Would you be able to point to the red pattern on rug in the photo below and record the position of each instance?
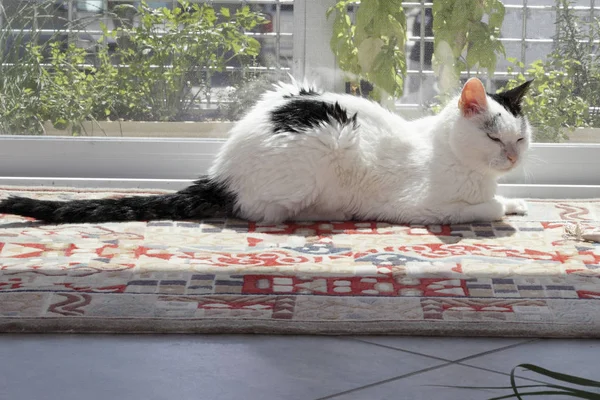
(517, 276)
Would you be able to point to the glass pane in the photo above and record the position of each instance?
(98, 67)
(554, 42)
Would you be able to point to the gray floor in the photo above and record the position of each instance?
(178, 367)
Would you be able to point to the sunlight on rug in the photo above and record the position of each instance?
(524, 276)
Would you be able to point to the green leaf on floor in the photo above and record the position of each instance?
(552, 389)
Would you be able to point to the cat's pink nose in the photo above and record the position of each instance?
(512, 157)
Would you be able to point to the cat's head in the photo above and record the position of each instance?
(491, 133)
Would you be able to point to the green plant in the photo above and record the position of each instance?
(463, 41)
(565, 92)
(171, 55)
(20, 72)
(373, 46)
(552, 389)
(550, 105)
(159, 71)
(19, 100)
(546, 389)
(40, 78)
(43, 79)
(69, 92)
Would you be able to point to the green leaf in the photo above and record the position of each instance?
(559, 376)
(540, 393)
(60, 124)
(463, 40)
(373, 47)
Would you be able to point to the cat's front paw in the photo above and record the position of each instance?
(515, 206)
(495, 210)
(492, 210)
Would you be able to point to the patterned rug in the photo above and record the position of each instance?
(520, 277)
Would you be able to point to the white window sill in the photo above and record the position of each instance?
(553, 170)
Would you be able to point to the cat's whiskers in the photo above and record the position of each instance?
(536, 159)
(527, 174)
(532, 160)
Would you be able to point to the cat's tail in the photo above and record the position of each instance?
(204, 199)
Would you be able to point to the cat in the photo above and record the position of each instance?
(303, 154)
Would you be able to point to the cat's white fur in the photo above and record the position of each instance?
(438, 169)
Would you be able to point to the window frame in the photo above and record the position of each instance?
(554, 170)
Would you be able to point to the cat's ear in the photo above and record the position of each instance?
(473, 99)
(514, 96)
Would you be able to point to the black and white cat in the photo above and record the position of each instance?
(300, 154)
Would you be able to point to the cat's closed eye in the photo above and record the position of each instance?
(495, 139)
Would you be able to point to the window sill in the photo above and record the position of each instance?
(553, 171)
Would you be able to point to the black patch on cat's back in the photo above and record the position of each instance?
(299, 114)
(303, 92)
(309, 92)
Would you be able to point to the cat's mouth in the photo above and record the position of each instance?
(507, 167)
